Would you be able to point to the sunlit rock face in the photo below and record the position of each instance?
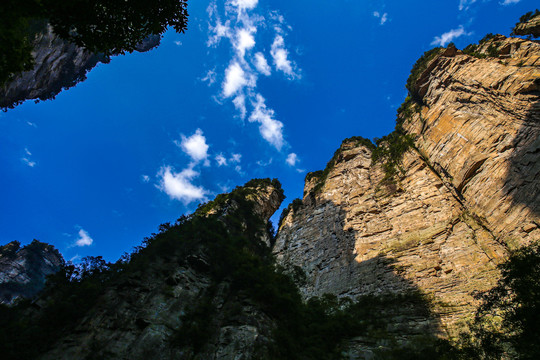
(23, 270)
(469, 190)
(59, 65)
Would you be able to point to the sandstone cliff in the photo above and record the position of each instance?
(466, 191)
(59, 65)
(23, 270)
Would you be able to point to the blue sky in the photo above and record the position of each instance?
(254, 88)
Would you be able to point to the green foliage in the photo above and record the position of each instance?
(524, 19)
(16, 36)
(486, 38)
(348, 143)
(101, 26)
(390, 150)
(471, 50)
(418, 68)
(506, 323)
(492, 51)
(295, 205)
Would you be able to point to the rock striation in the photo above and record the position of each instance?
(23, 270)
(59, 65)
(466, 191)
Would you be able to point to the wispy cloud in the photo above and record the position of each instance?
(245, 28)
(270, 128)
(262, 65)
(179, 185)
(221, 160)
(465, 4)
(383, 17)
(26, 158)
(449, 36)
(145, 178)
(84, 239)
(281, 57)
(510, 2)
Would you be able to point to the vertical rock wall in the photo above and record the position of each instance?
(468, 190)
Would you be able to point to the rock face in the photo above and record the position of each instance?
(468, 190)
(59, 65)
(139, 314)
(23, 270)
(531, 27)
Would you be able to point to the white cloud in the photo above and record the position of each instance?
(238, 169)
(280, 56)
(464, 4)
(195, 146)
(26, 159)
(264, 163)
(84, 239)
(449, 36)
(221, 160)
(31, 124)
(244, 40)
(509, 2)
(245, 4)
(234, 79)
(239, 103)
(270, 129)
(261, 64)
(210, 77)
(383, 17)
(219, 31)
(241, 23)
(179, 185)
(236, 158)
(28, 162)
(292, 159)
(145, 178)
(178, 42)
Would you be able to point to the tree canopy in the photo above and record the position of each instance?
(102, 26)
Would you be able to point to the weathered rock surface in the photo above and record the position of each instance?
(59, 65)
(469, 191)
(23, 270)
(480, 127)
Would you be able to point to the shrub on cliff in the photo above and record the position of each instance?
(506, 325)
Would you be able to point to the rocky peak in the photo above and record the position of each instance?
(23, 270)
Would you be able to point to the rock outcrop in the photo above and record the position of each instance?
(58, 65)
(530, 27)
(146, 311)
(23, 270)
(466, 191)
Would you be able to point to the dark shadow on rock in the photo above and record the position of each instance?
(523, 180)
(397, 311)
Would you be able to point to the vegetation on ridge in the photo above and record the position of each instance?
(523, 20)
